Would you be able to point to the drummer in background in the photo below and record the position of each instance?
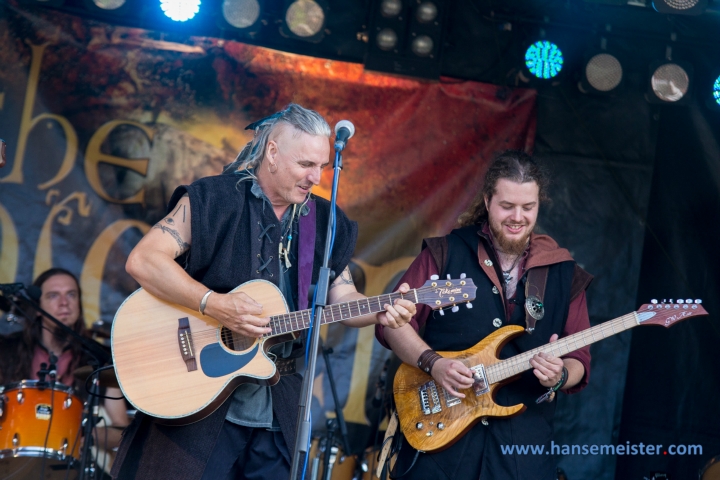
(22, 353)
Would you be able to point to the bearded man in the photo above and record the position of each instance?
(496, 247)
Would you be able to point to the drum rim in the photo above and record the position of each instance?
(35, 452)
(60, 387)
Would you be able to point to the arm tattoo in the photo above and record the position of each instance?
(181, 243)
(344, 279)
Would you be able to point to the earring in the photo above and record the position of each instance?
(272, 167)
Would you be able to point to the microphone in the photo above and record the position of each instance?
(344, 130)
(2, 153)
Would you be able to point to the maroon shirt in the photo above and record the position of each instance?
(424, 266)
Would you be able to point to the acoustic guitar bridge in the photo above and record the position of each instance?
(186, 345)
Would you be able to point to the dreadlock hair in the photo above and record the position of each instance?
(300, 118)
(514, 165)
(20, 364)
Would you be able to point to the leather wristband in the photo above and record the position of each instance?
(203, 302)
(427, 359)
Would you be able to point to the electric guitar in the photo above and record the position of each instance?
(179, 366)
(432, 419)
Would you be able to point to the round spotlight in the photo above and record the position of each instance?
(422, 46)
(544, 59)
(716, 90)
(390, 8)
(386, 39)
(670, 82)
(241, 13)
(109, 4)
(305, 18)
(603, 72)
(180, 10)
(426, 12)
(681, 4)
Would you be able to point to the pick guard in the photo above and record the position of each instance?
(216, 362)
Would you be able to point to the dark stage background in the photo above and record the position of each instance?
(635, 197)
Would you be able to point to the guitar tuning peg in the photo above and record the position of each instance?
(462, 276)
(654, 301)
(698, 301)
(468, 305)
(441, 312)
(448, 277)
(455, 309)
(671, 301)
(681, 301)
(689, 300)
(434, 277)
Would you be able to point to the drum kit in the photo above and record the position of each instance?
(41, 433)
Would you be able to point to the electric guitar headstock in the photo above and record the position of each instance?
(439, 294)
(669, 312)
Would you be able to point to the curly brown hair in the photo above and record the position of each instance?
(514, 165)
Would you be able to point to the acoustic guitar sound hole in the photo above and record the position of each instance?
(235, 341)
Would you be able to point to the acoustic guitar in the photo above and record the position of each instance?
(432, 419)
(179, 366)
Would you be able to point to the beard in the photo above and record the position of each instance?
(508, 245)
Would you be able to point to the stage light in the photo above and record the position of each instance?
(407, 37)
(680, 7)
(603, 73)
(716, 91)
(305, 18)
(180, 10)
(422, 46)
(386, 39)
(109, 4)
(241, 13)
(426, 12)
(670, 82)
(390, 8)
(544, 59)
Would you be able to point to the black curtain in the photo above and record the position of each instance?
(673, 378)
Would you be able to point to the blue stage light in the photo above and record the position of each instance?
(544, 59)
(716, 90)
(180, 10)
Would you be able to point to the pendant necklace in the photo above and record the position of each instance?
(284, 252)
(506, 273)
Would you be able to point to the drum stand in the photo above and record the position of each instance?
(90, 419)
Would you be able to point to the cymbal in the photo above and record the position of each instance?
(107, 377)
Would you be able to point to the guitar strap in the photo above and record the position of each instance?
(534, 296)
(306, 254)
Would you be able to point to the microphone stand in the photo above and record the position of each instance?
(100, 357)
(302, 435)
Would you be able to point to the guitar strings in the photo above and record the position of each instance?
(520, 363)
(294, 321)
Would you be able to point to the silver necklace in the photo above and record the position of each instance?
(506, 273)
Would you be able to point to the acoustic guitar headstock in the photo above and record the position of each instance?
(669, 312)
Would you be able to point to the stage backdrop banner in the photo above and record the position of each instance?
(102, 123)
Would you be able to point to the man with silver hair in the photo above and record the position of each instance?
(257, 220)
